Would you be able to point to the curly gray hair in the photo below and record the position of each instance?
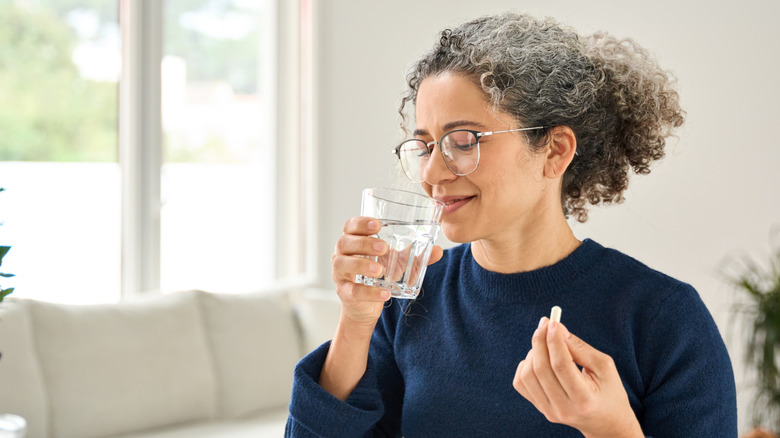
(619, 103)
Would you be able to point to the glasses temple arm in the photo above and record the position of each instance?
(483, 134)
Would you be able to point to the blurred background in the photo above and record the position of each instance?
(235, 167)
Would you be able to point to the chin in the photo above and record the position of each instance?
(456, 234)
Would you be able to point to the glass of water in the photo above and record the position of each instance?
(410, 224)
(12, 426)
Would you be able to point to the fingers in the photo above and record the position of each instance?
(361, 225)
(561, 361)
(593, 401)
(351, 244)
(359, 238)
(357, 252)
(527, 384)
(593, 361)
(548, 377)
(350, 256)
(548, 380)
(345, 268)
(352, 292)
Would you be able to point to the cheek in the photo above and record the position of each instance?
(504, 173)
(530, 170)
(511, 181)
(529, 161)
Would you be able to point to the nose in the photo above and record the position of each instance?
(436, 171)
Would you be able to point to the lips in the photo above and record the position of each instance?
(452, 203)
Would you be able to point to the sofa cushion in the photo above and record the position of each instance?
(117, 368)
(21, 382)
(255, 345)
(268, 425)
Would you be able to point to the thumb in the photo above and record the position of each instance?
(436, 254)
(584, 355)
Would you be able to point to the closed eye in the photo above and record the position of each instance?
(465, 147)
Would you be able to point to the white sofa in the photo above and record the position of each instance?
(188, 364)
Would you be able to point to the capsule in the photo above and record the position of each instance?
(555, 314)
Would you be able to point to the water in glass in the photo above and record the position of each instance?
(410, 245)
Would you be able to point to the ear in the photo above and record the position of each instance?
(562, 146)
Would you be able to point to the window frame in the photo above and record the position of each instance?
(140, 144)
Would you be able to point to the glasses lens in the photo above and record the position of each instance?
(414, 157)
(461, 152)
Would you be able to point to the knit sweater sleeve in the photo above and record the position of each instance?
(689, 382)
(372, 410)
(316, 413)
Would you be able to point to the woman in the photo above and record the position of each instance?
(519, 123)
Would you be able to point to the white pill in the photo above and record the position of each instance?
(555, 314)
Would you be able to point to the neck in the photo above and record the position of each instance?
(527, 249)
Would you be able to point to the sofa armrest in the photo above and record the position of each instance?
(317, 311)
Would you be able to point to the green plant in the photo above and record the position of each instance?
(3, 251)
(760, 312)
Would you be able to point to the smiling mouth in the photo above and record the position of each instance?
(454, 203)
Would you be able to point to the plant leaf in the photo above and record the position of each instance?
(3, 252)
(5, 292)
(760, 311)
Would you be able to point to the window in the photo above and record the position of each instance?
(142, 156)
(58, 149)
(218, 171)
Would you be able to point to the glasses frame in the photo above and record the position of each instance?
(476, 134)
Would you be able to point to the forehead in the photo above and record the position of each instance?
(449, 97)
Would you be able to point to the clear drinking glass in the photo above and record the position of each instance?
(12, 426)
(410, 225)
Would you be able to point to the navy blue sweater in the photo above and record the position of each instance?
(442, 365)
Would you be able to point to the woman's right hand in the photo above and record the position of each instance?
(360, 304)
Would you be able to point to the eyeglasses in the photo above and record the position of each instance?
(459, 148)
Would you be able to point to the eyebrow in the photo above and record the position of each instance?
(451, 126)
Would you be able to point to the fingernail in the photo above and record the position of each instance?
(551, 328)
(373, 225)
(379, 246)
(385, 295)
(375, 268)
(566, 332)
(541, 322)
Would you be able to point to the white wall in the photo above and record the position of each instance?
(716, 194)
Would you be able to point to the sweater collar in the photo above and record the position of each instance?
(524, 285)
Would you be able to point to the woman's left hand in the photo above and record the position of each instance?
(592, 401)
